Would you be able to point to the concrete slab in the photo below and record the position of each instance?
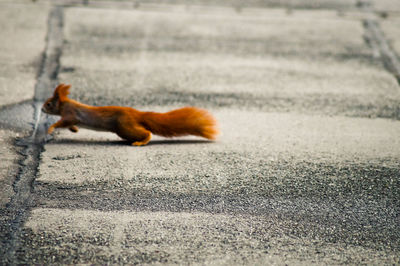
(9, 165)
(74, 158)
(24, 31)
(390, 27)
(271, 62)
(188, 238)
(18, 117)
(238, 5)
(302, 34)
(299, 173)
(388, 6)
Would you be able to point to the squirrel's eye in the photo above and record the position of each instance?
(48, 104)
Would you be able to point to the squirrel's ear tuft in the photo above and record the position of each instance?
(62, 91)
(57, 90)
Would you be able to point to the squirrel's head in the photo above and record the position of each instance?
(53, 104)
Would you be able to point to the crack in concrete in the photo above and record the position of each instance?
(51, 58)
(376, 39)
(19, 206)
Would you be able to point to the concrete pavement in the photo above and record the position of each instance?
(306, 170)
(23, 38)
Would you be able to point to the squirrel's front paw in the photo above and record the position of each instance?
(74, 129)
(50, 130)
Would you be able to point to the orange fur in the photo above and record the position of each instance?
(126, 122)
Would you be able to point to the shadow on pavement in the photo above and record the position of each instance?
(123, 142)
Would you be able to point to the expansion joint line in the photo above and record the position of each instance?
(32, 146)
(376, 39)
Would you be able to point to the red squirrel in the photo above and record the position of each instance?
(128, 123)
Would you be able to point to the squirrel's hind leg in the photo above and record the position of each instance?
(142, 142)
(137, 134)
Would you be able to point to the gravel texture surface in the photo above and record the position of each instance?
(306, 170)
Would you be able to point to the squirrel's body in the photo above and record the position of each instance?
(128, 123)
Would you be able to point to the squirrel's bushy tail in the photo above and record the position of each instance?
(179, 122)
